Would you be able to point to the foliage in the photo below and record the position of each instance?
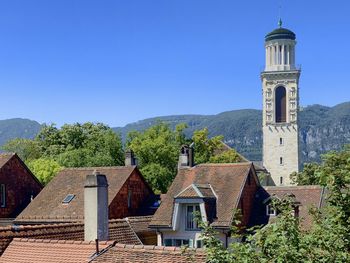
(81, 145)
(157, 153)
(229, 156)
(44, 169)
(25, 148)
(328, 240)
(157, 150)
(205, 147)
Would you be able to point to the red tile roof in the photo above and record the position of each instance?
(226, 180)
(119, 230)
(48, 206)
(150, 254)
(50, 251)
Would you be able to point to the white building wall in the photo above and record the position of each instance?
(273, 132)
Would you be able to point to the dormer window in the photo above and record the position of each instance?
(191, 222)
(270, 211)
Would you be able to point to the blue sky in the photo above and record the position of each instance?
(119, 61)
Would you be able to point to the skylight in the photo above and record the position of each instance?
(68, 199)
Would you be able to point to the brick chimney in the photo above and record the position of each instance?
(130, 159)
(186, 158)
(96, 207)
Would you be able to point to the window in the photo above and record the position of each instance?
(281, 111)
(178, 242)
(281, 160)
(281, 180)
(199, 243)
(270, 211)
(68, 199)
(191, 223)
(129, 198)
(281, 141)
(2, 195)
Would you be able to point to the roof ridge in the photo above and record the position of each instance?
(156, 248)
(57, 241)
(8, 153)
(293, 187)
(98, 167)
(223, 164)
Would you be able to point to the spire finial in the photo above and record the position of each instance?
(280, 23)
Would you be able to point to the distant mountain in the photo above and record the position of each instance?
(321, 129)
(18, 128)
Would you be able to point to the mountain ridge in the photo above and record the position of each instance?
(321, 129)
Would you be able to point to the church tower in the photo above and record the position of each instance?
(280, 84)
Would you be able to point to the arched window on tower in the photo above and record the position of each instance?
(281, 104)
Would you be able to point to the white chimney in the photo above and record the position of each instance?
(96, 207)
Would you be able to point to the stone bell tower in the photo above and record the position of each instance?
(280, 85)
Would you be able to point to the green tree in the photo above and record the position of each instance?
(205, 147)
(25, 148)
(328, 240)
(81, 145)
(157, 151)
(44, 169)
(228, 156)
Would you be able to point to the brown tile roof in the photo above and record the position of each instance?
(197, 190)
(306, 196)
(147, 254)
(48, 206)
(119, 230)
(5, 157)
(226, 180)
(140, 224)
(49, 251)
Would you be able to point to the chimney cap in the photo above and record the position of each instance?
(96, 180)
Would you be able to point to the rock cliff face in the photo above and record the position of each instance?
(323, 129)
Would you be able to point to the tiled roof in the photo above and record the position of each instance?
(119, 230)
(50, 251)
(48, 206)
(197, 191)
(5, 157)
(140, 224)
(306, 197)
(147, 254)
(226, 180)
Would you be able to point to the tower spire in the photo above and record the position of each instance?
(279, 15)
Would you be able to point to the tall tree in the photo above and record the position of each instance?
(25, 148)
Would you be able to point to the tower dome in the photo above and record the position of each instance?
(280, 33)
(280, 49)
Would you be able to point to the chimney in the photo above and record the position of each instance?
(130, 159)
(186, 158)
(96, 207)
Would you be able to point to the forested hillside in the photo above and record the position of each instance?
(18, 128)
(321, 129)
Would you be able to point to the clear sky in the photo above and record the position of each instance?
(119, 61)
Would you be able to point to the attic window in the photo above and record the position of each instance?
(270, 211)
(68, 199)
